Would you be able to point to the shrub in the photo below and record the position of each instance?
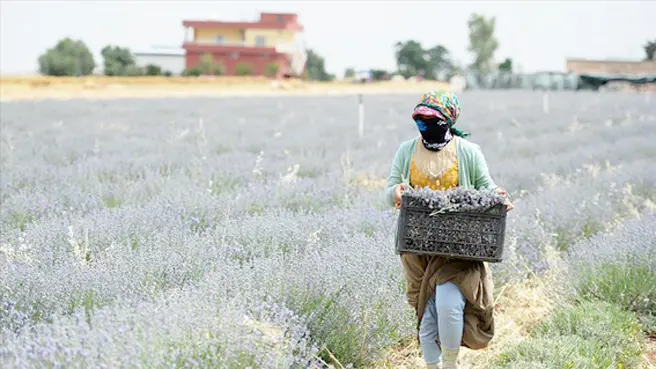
(153, 70)
(272, 70)
(167, 73)
(619, 269)
(218, 69)
(243, 69)
(195, 71)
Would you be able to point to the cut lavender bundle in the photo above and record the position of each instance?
(459, 223)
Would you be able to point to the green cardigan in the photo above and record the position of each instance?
(472, 168)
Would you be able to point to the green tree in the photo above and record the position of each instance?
(118, 61)
(650, 50)
(413, 60)
(349, 73)
(439, 63)
(482, 43)
(316, 67)
(506, 66)
(68, 58)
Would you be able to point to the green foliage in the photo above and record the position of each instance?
(153, 70)
(218, 69)
(272, 70)
(243, 69)
(650, 50)
(632, 287)
(590, 335)
(506, 66)
(413, 60)
(379, 75)
(316, 68)
(482, 42)
(195, 71)
(167, 73)
(67, 58)
(118, 61)
(206, 64)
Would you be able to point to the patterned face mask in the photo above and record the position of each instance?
(434, 133)
(438, 111)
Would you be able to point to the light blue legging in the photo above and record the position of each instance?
(444, 319)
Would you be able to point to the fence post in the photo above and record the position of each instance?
(360, 116)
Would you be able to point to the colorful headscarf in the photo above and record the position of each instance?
(443, 105)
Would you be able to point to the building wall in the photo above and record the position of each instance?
(619, 67)
(173, 63)
(230, 61)
(272, 37)
(208, 35)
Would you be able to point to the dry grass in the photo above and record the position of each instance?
(519, 308)
(99, 87)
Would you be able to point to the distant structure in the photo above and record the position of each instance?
(274, 43)
(170, 59)
(614, 74)
(632, 68)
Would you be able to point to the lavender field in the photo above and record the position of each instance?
(253, 232)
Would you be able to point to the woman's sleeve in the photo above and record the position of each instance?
(482, 179)
(395, 177)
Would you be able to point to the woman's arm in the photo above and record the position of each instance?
(395, 177)
(482, 179)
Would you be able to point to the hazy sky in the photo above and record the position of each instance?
(537, 35)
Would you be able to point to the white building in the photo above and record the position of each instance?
(170, 59)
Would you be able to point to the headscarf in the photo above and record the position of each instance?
(443, 106)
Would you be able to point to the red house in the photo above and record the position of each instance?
(271, 46)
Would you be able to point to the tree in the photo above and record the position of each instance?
(650, 49)
(68, 58)
(440, 66)
(413, 60)
(506, 66)
(316, 68)
(118, 61)
(349, 73)
(482, 42)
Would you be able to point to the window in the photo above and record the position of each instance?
(219, 40)
(260, 41)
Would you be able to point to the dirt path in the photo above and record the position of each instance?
(518, 309)
(650, 351)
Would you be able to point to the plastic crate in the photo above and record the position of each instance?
(459, 235)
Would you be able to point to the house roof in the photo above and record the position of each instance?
(289, 22)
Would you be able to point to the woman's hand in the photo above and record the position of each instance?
(502, 192)
(398, 192)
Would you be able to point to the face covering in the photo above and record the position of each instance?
(434, 133)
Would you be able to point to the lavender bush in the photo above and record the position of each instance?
(218, 232)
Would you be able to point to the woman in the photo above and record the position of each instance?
(452, 298)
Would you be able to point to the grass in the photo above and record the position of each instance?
(630, 287)
(587, 335)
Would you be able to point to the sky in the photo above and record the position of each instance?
(537, 35)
